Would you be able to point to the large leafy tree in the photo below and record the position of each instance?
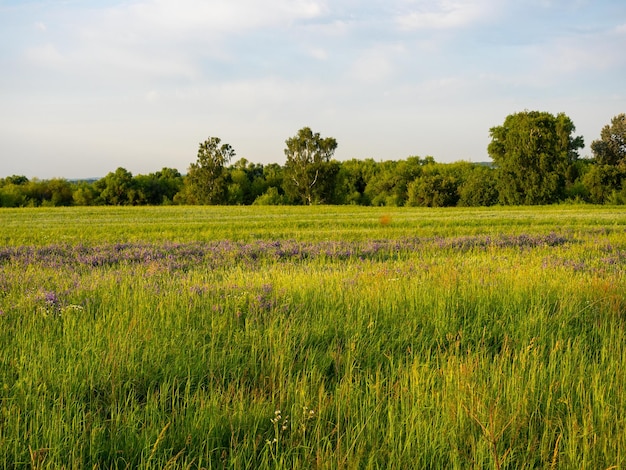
(607, 177)
(534, 152)
(310, 174)
(206, 181)
(610, 149)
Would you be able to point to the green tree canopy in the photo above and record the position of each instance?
(606, 180)
(159, 187)
(533, 152)
(610, 149)
(116, 188)
(15, 179)
(309, 172)
(206, 180)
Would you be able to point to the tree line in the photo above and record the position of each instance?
(535, 161)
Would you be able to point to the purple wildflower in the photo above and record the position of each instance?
(51, 298)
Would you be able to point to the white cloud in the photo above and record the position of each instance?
(139, 78)
(445, 14)
(167, 39)
(45, 55)
(318, 53)
(152, 96)
(229, 16)
(377, 64)
(589, 53)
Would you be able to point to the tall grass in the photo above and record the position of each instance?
(493, 346)
(41, 226)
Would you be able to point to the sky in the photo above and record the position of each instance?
(90, 86)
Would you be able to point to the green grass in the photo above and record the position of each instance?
(490, 338)
(41, 226)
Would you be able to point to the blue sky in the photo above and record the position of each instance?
(88, 86)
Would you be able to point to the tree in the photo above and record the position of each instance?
(157, 188)
(388, 184)
(608, 176)
(610, 149)
(438, 185)
(601, 182)
(479, 188)
(17, 180)
(533, 152)
(433, 190)
(85, 193)
(271, 198)
(206, 181)
(246, 182)
(59, 192)
(115, 188)
(309, 172)
(352, 180)
(272, 180)
(12, 195)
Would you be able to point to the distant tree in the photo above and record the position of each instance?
(607, 179)
(36, 192)
(274, 175)
(388, 186)
(15, 179)
(437, 186)
(12, 195)
(206, 181)
(533, 152)
(382, 185)
(352, 180)
(600, 182)
(309, 175)
(478, 188)
(116, 188)
(60, 191)
(84, 193)
(271, 197)
(53, 192)
(246, 182)
(157, 188)
(610, 149)
(433, 191)
(170, 182)
(272, 182)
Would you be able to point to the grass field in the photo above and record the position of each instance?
(313, 337)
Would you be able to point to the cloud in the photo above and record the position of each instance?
(45, 55)
(588, 53)
(151, 77)
(223, 16)
(152, 96)
(377, 64)
(444, 14)
(172, 39)
(318, 53)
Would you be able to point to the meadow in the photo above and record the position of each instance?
(313, 337)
